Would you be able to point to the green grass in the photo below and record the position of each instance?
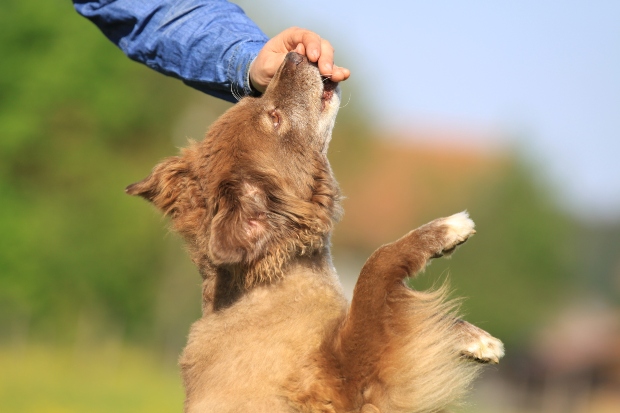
(106, 378)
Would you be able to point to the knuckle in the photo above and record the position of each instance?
(325, 44)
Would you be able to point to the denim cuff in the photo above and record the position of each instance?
(239, 68)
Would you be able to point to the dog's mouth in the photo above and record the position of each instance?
(328, 91)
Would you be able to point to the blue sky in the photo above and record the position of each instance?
(544, 74)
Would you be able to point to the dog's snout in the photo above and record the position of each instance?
(294, 59)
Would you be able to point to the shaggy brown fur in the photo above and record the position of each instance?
(256, 202)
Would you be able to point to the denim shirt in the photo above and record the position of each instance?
(208, 44)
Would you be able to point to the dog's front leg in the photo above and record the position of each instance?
(388, 267)
(385, 313)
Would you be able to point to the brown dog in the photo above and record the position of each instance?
(256, 202)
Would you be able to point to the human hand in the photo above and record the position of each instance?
(301, 41)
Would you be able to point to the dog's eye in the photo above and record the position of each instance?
(275, 118)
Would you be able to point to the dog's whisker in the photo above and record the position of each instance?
(348, 100)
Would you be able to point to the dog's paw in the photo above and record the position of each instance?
(459, 227)
(480, 346)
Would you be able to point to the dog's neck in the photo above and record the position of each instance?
(224, 286)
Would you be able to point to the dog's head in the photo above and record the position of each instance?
(258, 191)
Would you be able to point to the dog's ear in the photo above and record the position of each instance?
(241, 226)
(164, 185)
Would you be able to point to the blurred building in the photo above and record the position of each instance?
(571, 366)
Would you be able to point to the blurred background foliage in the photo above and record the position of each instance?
(78, 123)
(96, 297)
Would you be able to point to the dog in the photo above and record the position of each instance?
(256, 202)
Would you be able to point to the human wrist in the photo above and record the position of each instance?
(239, 68)
(256, 87)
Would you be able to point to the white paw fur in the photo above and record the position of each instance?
(459, 228)
(486, 349)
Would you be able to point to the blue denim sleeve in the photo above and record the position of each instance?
(208, 44)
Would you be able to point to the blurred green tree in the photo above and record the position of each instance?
(521, 266)
(79, 122)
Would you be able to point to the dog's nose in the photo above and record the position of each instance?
(293, 59)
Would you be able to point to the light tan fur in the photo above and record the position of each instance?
(256, 202)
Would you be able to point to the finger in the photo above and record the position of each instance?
(300, 49)
(311, 42)
(340, 73)
(326, 61)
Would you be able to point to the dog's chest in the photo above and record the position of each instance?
(247, 353)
